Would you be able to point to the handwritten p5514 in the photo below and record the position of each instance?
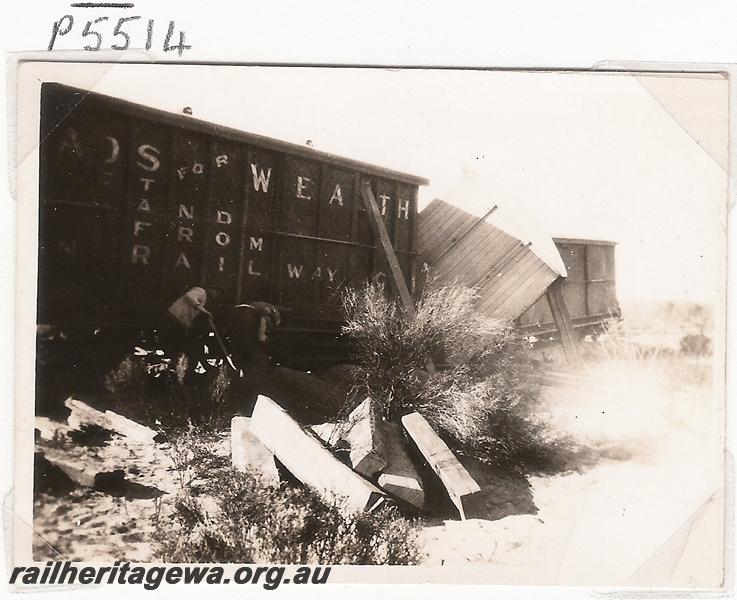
(97, 33)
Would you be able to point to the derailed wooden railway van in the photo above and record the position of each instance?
(138, 205)
(589, 290)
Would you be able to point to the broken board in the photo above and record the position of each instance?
(304, 455)
(82, 472)
(399, 477)
(454, 477)
(247, 452)
(362, 436)
(83, 414)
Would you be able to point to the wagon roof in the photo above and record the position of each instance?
(586, 241)
(477, 195)
(206, 127)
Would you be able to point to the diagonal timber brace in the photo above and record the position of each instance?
(563, 321)
(380, 233)
(379, 229)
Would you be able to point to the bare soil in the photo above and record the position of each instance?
(655, 467)
(75, 522)
(649, 495)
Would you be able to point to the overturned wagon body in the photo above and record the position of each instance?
(139, 205)
(510, 266)
(589, 291)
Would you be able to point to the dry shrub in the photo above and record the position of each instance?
(484, 403)
(253, 522)
(193, 450)
(681, 361)
(134, 393)
(652, 332)
(488, 408)
(456, 406)
(617, 342)
(164, 393)
(287, 525)
(393, 348)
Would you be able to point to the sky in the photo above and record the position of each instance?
(639, 160)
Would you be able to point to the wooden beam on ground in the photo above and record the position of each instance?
(563, 321)
(48, 428)
(399, 477)
(130, 429)
(84, 414)
(382, 236)
(367, 453)
(247, 452)
(363, 437)
(304, 455)
(454, 477)
(81, 470)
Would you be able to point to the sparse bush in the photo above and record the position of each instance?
(193, 451)
(165, 394)
(696, 345)
(484, 403)
(393, 348)
(660, 347)
(254, 522)
(617, 342)
(488, 409)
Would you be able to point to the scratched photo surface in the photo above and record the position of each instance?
(470, 321)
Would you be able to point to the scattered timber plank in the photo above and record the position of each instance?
(362, 437)
(454, 477)
(366, 441)
(80, 471)
(304, 455)
(327, 432)
(130, 429)
(48, 428)
(84, 414)
(247, 452)
(399, 477)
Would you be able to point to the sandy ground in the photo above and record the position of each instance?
(87, 524)
(647, 513)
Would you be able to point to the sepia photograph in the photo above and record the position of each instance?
(468, 322)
